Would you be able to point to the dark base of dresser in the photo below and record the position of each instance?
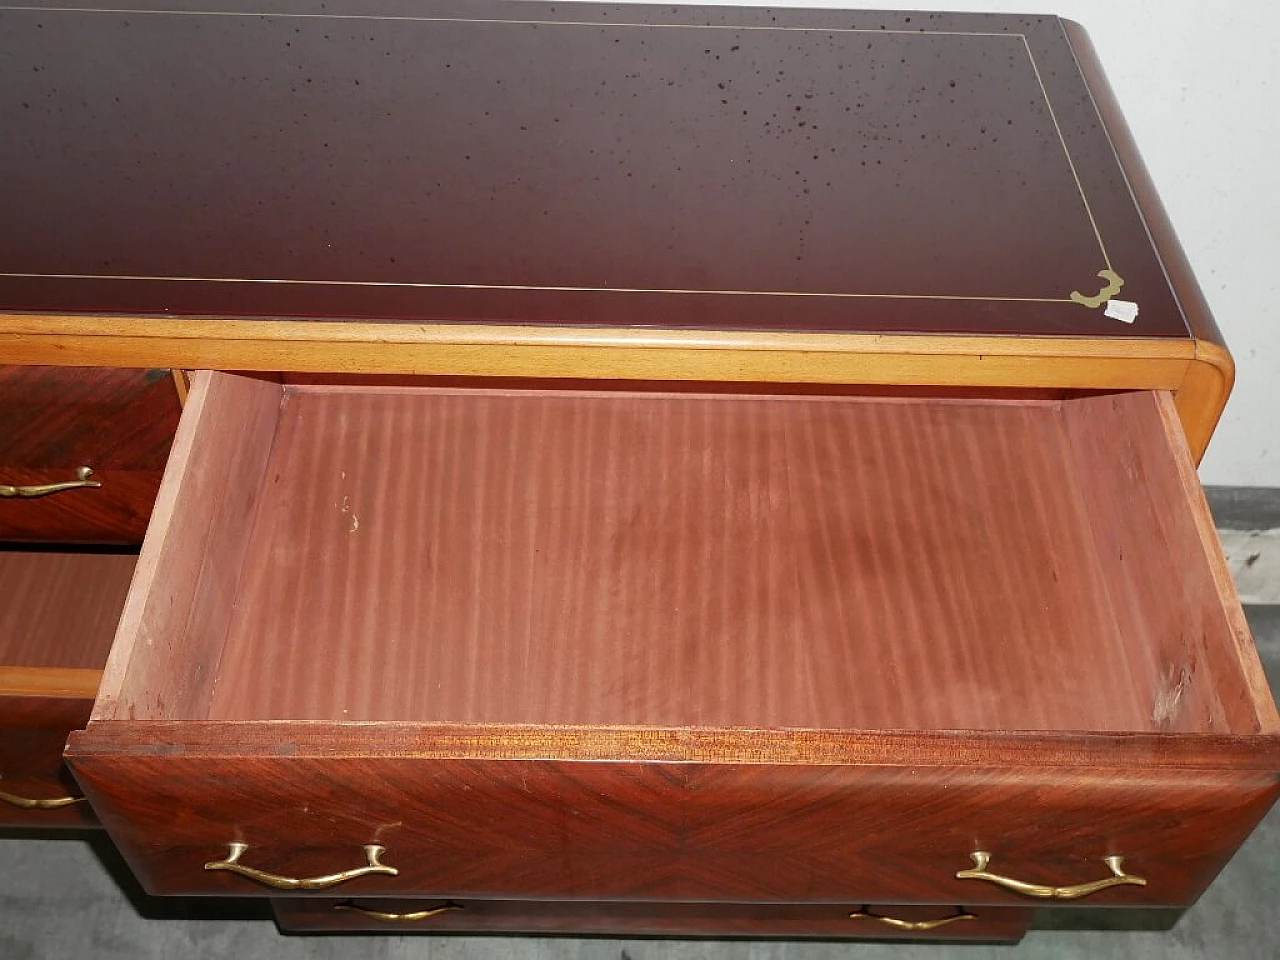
(825, 921)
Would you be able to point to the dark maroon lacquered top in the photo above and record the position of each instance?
(563, 164)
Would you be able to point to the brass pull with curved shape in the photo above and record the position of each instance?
(29, 803)
(1114, 282)
(43, 490)
(448, 907)
(1118, 877)
(912, 926)
(235, 850)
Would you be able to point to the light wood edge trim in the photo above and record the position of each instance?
(1202, 396)
(1113, 758)
(1246, 653)
(181, 384)
(49, 682)
(570, 352)
(154, 547)
(59, 328)
(551, 351)
(44, 326)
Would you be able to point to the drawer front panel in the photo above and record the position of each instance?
(510, 829)
(34, 782)
(861, 921)
(55, 421)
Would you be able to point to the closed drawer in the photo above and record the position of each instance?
(573, 645)
(62, 428)
(36, 789)
(57, 616)
(861, 921)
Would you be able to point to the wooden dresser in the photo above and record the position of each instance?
(653, 470)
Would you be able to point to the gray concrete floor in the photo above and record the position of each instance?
(71, 897)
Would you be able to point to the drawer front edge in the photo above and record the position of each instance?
(33, 733)
(555, 829)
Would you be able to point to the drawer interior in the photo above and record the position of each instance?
(58, 614)
(399, 552)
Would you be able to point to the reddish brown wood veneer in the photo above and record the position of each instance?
(60, 609)
(119, 423)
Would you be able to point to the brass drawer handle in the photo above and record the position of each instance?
(914, 926)
(27, 803)
(43, 490)
(979, 872)
(236, 850)
(398, 917)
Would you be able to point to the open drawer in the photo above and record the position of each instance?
(58, 611)
(412, 640)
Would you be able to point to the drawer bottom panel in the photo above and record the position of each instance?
(857, 921)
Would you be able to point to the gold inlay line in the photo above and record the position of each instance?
(1067, 153)
(517, 286)
(549, 23)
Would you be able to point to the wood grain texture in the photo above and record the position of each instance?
(649, 919)
(1163, 568)
(177, 611)
(54, 419)
(33, 732)
(494, 351)
(626, 829)
(494, 557)
(50, 681)
(989, 749)
(58, 613)
(1219, 569)
(484, 558)
(60, 609)
(663, 354)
